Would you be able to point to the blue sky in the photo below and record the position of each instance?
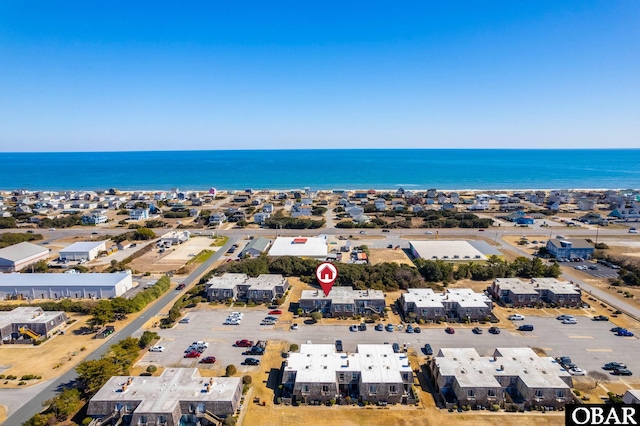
(122, 75)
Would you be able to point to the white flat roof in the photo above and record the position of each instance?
(427, 298)
(320, 363)
(458, 250)
(161, 394)
(83, 246)
(62, 280)
(17, 252)
(265, 281)
(228, 280)
(28, 314)
(299, 246)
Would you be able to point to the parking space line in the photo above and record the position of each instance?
(599, 350)
(580, 337)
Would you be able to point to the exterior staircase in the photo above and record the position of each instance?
(211, 418)
(28, 332)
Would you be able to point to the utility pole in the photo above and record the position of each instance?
(597, 231)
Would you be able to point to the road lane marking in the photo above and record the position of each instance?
(599, 350)
(580, 337)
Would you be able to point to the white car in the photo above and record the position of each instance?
(633, 231)
(200, 343)
(156, 349)
(230, 321)
(236, 315)
(429, 232)
(577, 372)
(294, 326)
(569, 321)
(516, 317)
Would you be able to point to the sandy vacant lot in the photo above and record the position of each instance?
(388, 255)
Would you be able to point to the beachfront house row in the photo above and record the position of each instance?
(373, 374)
(231, 286)
(570, 249)
(514, 375)
(343, 301)
(453, 304)
(516, 292)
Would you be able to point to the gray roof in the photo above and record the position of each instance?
(579, 244)
(28, 315)
(62, 280)
(485, 248)
(21, 251)
(260, 244)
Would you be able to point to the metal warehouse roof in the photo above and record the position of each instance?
(21, 251)
(62, 280)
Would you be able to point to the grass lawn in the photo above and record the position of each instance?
(220, 241)
(201, 257)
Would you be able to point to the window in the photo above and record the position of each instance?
(325, 388)
(372, 389)
(354, 376)
(491, 392)
(533, 298)
(405, 377)
(393, 389)
(559, 394)
(520, 298)
(338, 308)
(348, 308)
(305, 388)
(471, 393)
(538, 393)
(341, 377)
(424, 312)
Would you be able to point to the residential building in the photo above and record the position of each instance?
(123, 245)
(463, 377)
(175, 237)
(373, 374)
(570, 249)
(84, 250)
(179, 396)
(586, 204)
(29, 321)
(627, 213)
(18, 256)
(267, 208)
(260, 217)
(343, 301)
(139, 214)
(256, 247)
(60, 286)
(217, 218)
(95, 218)
(453, 304)
(230, 286)
(516, 292)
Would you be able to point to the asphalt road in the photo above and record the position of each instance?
(34, 405)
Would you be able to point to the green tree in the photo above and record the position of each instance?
(317, 316)
(65, 403)
(95, 373)
(144, 234)
(230, 370)
(101, 314)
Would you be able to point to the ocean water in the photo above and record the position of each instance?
(323, 169)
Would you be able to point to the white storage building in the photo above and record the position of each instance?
(312, 247)
(87, 250)
(16, 257)
(58, 286)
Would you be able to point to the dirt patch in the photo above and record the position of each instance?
(377, 256)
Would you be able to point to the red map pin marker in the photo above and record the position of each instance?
(326, 273)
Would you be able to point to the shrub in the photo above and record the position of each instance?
(152, 369)
(229, 421)
(576, 392)
(495, 407)
(247, 380)
(11, 377)
(293, 347)
(278, 400)
(28, 377)
(22, 383)
(230, 370)
(87, 420)
(2, 376)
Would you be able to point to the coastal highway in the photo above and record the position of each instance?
(34, 405)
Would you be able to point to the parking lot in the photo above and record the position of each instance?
(602, 271)
(590, 344)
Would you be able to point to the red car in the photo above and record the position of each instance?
(244, 343)
(275, 312)
(450, 330)
(208, 360)
(180, 287)
(192, 354)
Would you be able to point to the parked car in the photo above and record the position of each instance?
(516, 317)
(379, 327)
(363, 327)
(389, 327)
(593, 267)
(494, 330)
(633, 231)
(230, 321)
(600, 318)
(624, 333)
(450, 330)
(192, 354)
(569, 321)
(577, 372)
(409, 329)
(184, 321)
(339, 345)
(255, 350)
(613, 365)
(251, 361)
(275, 312)
(208, 360)
(180, 287)
(267, 322)
(156, 349)
(427, 349)
(564, 317)
(396, 347)
(563, 360)
(477, 330)
(353, 327)
(616, 329)
(244, 343)
(416, 329)
(526, 327)
(294, 326)
(622, 372)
